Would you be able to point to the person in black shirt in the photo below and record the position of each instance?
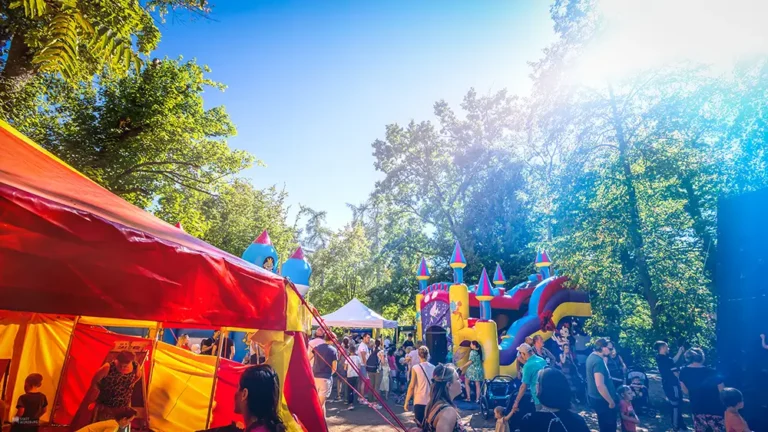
(554, 393)
(703, 386)
(210, 346)
(30, 406)
(409, 341)
(670, 383)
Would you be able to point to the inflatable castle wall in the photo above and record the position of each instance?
(443, 312)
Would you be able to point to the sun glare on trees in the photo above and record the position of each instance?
(642, 34)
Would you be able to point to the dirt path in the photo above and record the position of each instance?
(365, 419)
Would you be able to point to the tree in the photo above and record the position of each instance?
(142, 136)
(78, 37)
(451, 178)
(342, 270)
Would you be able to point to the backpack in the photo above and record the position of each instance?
(372, 363)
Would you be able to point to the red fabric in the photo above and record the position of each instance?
(550, 290)
(227, 384)
(105, 257)
(299, 390)
(90, 346)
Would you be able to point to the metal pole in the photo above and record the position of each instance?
(158, 332)
(215, 378)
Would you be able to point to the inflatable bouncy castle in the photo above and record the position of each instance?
(451, 315)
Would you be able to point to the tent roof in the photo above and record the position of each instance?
(69, 246)
(357, 315)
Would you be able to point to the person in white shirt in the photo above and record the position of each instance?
(413, 357)
(352, 375)
(363, 351)
(420, 385)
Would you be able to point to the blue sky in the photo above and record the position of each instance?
(311, 84)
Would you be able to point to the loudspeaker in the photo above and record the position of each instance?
(742, 300)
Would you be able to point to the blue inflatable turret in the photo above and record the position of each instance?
(298, 270)
(262, 253)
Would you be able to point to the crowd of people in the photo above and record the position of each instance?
(551, 379)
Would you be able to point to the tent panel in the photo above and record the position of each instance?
(117, 322)
(43, 352)
(107, 258)
(180, 389)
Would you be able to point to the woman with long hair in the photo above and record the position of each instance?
(441, 413)
(257, 399)
(473, 370)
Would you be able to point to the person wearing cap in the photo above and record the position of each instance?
(600, 388)
(532, 364)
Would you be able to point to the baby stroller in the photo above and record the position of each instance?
(638, 382)
(500, 391)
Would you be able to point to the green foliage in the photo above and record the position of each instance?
(77, 38)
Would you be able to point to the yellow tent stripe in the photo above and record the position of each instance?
(10, 129)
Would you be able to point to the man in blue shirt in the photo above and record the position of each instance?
(600, 390)
(532, 365)
(326, 358)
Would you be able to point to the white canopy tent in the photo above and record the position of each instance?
(356, 315)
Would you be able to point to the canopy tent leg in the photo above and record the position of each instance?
(215, 378)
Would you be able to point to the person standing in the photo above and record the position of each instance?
(385, 374)
(258, 398)
(473, 370)
(532, 364)
(420, 385)
(555, 414)
(30, 406)
(703, 386)
(325, 359)
(373, 367)
(616, 366)
(600, 389)
(364, 351)
(210, 346)
(353, 363)
(441, 413)
(408, 342)
(113, 384)
(541, 351)
(670, 383)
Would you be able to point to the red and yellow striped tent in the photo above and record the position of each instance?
(72, 253)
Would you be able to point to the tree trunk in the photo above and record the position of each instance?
(693, 208)
(18, 66)
(634, 228)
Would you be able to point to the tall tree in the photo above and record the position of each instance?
(78, 38)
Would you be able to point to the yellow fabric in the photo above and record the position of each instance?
(280, 350)
(179, 389)
(44, 349)
(293, 311)
(7, 336)
(117, 322)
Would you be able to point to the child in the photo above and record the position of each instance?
(640, 390)
(352, 376)
(502, 421)
(30, 406)
(733, 401)
(121, 423)
(629, 420)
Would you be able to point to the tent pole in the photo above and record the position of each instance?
(215, 378)
(158, 330)
(57, 395)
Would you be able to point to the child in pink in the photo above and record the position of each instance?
(733, 401)
(629, 420)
